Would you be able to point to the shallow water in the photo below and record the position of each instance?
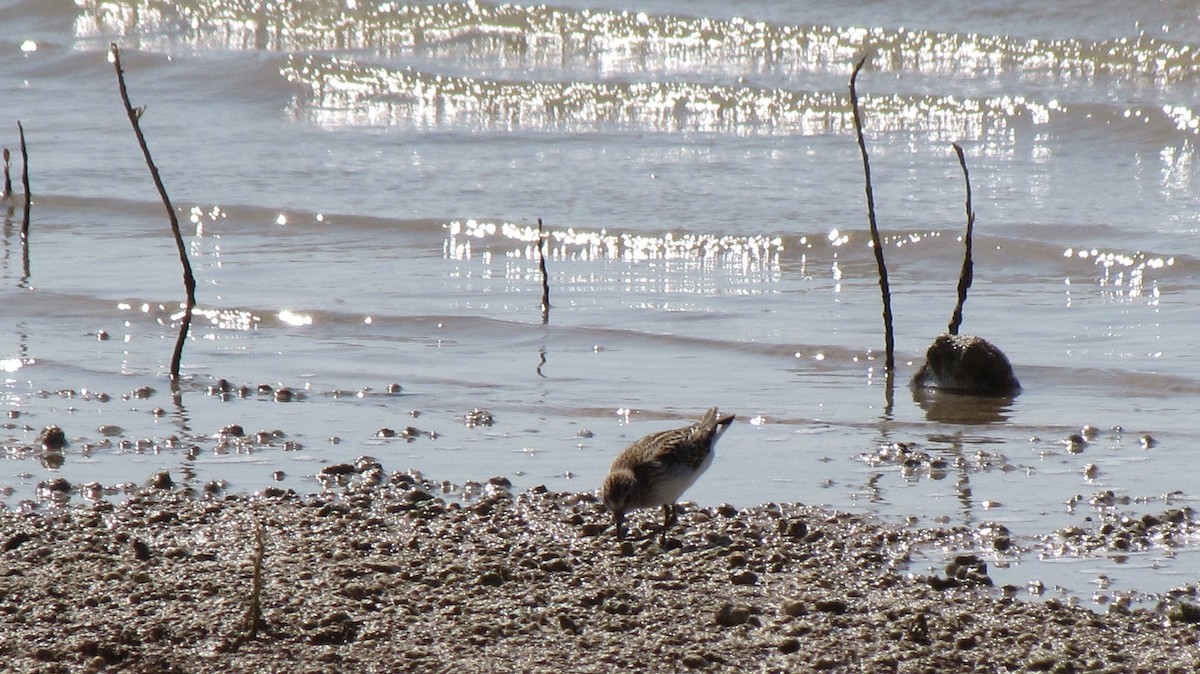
(360, 185)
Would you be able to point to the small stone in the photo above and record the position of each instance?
(797, 529)
(161, 480)
(232, 431)
(491, 579)
(478, 417)
(52, 438)
(567, 624)
(140, 550)
(284, 395)
(1184, 612)
(731, 615)
(592, 529)
(58, 484)
(393, 388)
(694, 661)
(744, 578)
(793, 608)
(17, 540)
(1075, 443)
(835, 606)
(789, 645)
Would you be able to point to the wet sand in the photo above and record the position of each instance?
(380, 574)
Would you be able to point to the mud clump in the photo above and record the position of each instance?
(966, 364)
(380, 573)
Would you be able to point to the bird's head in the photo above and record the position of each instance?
(617, 489)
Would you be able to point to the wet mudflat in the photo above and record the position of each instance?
(387, 571)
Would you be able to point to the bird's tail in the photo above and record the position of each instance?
(715, 423)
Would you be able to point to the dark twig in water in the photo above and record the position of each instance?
(968, 269)
(25, 186)
(189, 281)
(7, 177)
(889, 339)
(545, 278)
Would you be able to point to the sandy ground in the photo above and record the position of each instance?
(380, 574)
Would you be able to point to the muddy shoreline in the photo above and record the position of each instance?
(379, 573)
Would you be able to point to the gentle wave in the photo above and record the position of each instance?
(346, 92)
(543, 68)
(354, 26)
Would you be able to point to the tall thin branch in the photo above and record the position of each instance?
(25, 185)
(968, 269)
(545, 278)
(876, 243)
(189, 281)
(7, 178)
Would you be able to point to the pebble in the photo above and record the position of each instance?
(744, 578)
(233, 431)
(478, 417)
(52, 438)
(835, 606)
(793, 608)
(732, 615)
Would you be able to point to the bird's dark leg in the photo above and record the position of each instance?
(619, 524)
(670, 516)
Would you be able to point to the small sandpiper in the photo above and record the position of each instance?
(657, 469)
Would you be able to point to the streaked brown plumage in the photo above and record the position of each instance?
(658, 468)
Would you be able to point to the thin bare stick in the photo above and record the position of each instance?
(189, 281)
(25, 185)
(7, 177)
(253, 620)
(968, 269)
(545, 278)
(876, 243)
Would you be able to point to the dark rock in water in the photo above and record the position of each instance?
(161, 480)
(968, 365)
(58, 484)
(478, 417)
(233, 431)
(52, 438)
